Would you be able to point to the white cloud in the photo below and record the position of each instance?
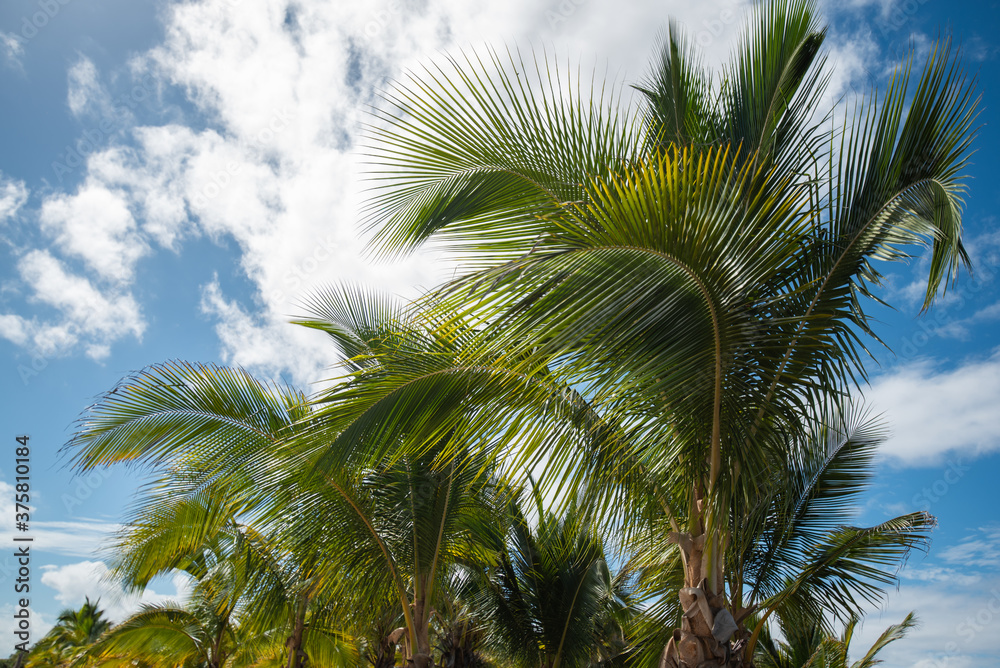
(97, 226)
(81, 537)
(988, 313)
(984, 251)
(932, 411)
(251, 342)
(958, 625)
(283, 86)
(14, 329)
(84, 88)
(13, 195)
(269, 160)
(88, 315)
(940, 574)
(981, 550)
(74, 583)
(12, 49)
(40, 623)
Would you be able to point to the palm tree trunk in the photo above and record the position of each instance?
(702, 641)
(385, 654)
(422, 650)
(295, 653)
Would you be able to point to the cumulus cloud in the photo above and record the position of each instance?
(268, 158)
(97, 226)
(282, 86)
(40, 623)
(84, 88)
(89, 314)
(932, 411)
(74, 583)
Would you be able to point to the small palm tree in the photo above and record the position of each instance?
(217, 440)
(73, 635)
(551, 599)
(200, 633)
(460, 633)
(806, 644)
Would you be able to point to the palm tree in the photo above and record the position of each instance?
(808, 645)
(459, 630)
(397, 523)
(700, 277)
(820, 473)
(229, 448)
(551, 599)
(216, 438)
(795, 553)
(68, 641)
(200, 633)
(233, 617)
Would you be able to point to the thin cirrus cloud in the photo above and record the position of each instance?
(13, 195)
(979, 550)
(80, 537)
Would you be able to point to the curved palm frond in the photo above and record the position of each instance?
(480, 146)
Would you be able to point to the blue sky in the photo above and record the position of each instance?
(174, 175)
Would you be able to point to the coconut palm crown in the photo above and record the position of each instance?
(696, 266)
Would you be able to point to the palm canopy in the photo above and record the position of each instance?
(218, 444)
(699, 276)
(308, 507)
(72, 636)
(206, 631)
(419, 379)
(616, 246)
(551, 598)
(808, 645)
(657, 294)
